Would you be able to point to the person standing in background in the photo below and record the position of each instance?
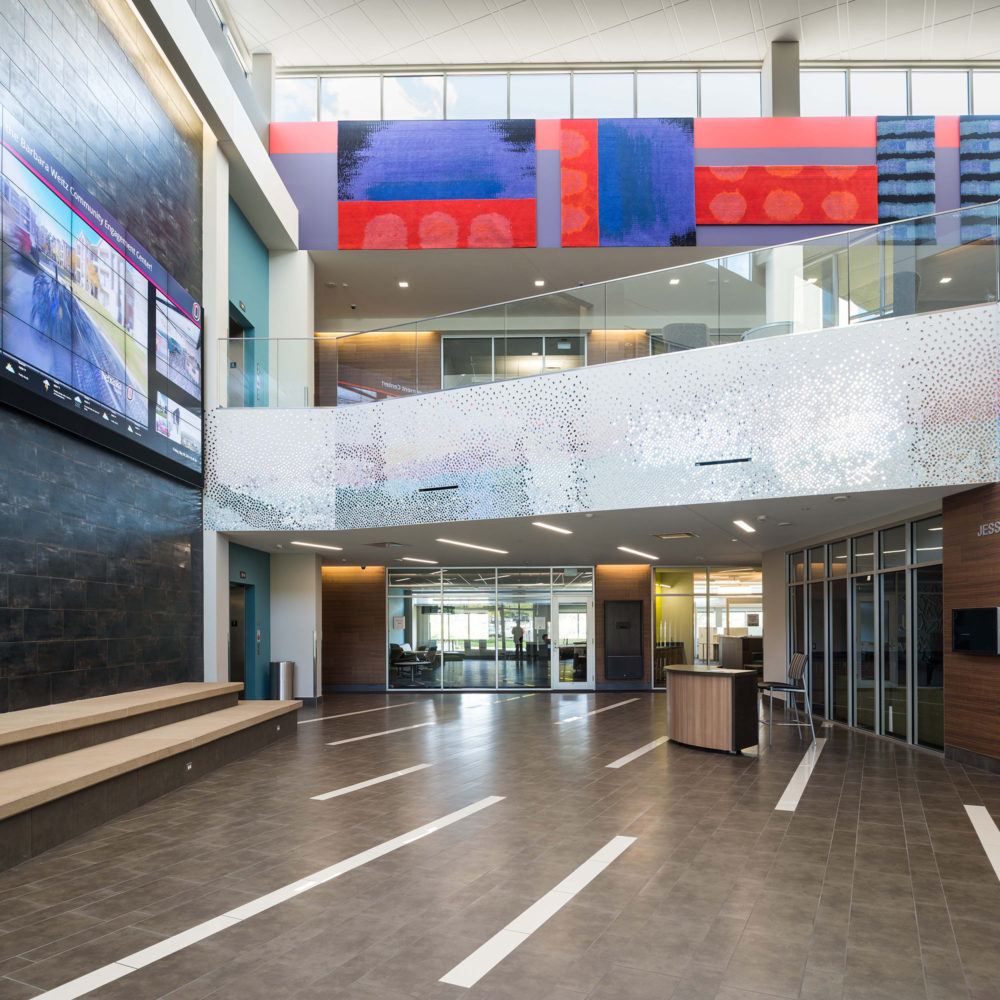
(518, 634)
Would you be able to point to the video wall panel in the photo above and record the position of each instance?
(95, 336)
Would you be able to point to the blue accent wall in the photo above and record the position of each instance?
(248, 271)
(249, 285)
(257, 566)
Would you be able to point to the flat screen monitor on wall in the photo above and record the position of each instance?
(975, 630)
(95, 336)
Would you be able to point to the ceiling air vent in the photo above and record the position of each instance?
(671, 535)
(386, 545)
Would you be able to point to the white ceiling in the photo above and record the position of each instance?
(445, 281)
(596, 536)
(468, 32)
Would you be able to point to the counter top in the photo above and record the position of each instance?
(701, 668)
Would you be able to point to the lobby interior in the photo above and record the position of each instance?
(485, 539)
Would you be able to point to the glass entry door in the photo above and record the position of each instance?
(572, 638)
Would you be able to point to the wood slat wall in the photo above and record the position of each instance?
(971, 580)
(623, 583)
(354, 625)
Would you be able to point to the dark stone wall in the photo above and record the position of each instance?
(100, 558)
(100, 570)
(84, 76)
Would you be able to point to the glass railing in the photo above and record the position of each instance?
(929, 264)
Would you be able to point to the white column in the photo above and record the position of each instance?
(291, 318)
(783, 283)
(215, 293)
(216, 605)
(774, 595)
(297, 618)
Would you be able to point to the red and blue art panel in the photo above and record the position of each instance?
(628, 182)
(440, 185)
(790, 194)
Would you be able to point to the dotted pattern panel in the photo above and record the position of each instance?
(896, 404)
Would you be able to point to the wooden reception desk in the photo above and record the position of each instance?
(711, 707)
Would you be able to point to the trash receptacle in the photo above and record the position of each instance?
(283, 680)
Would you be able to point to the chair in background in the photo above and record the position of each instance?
(792, 687)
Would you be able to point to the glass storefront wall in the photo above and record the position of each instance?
(472, 359)
(872, 628)
(486, 628)
(693, 606)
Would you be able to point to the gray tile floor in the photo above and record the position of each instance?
(877, 885)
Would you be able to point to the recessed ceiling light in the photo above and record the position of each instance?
(539, 283)
(673, 535)
(404, 284)
(430, 562)
(938, 528)
(469, 545)
(784, 524)
(748, 528)
(944, 281)
(552, 527)
(636, 552)
(314, 545)
(675, 281)
(841, 498)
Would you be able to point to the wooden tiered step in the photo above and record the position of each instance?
(36, 733)
(59, 794)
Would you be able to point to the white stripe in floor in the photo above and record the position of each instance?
(364, 711)
(989, 835)
(790, 797)
(367, 784)
(597, 711)
(384, 732)
(469, 971)
(629, 757)
(178, 942)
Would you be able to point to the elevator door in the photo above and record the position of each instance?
(237, 632)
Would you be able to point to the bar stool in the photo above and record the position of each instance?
(792, 687)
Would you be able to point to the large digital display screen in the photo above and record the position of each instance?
(95, 336)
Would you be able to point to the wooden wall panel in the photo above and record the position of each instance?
(394, 363)
(354, 625)
(971, 580)
(623, 583)
(616, 345)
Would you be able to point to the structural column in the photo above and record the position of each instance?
(780, 80)
(215, 291)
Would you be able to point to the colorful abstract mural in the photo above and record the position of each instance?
(904, 156)
(788, 195)
(979, 172)
(450, 184)
(628, 182)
